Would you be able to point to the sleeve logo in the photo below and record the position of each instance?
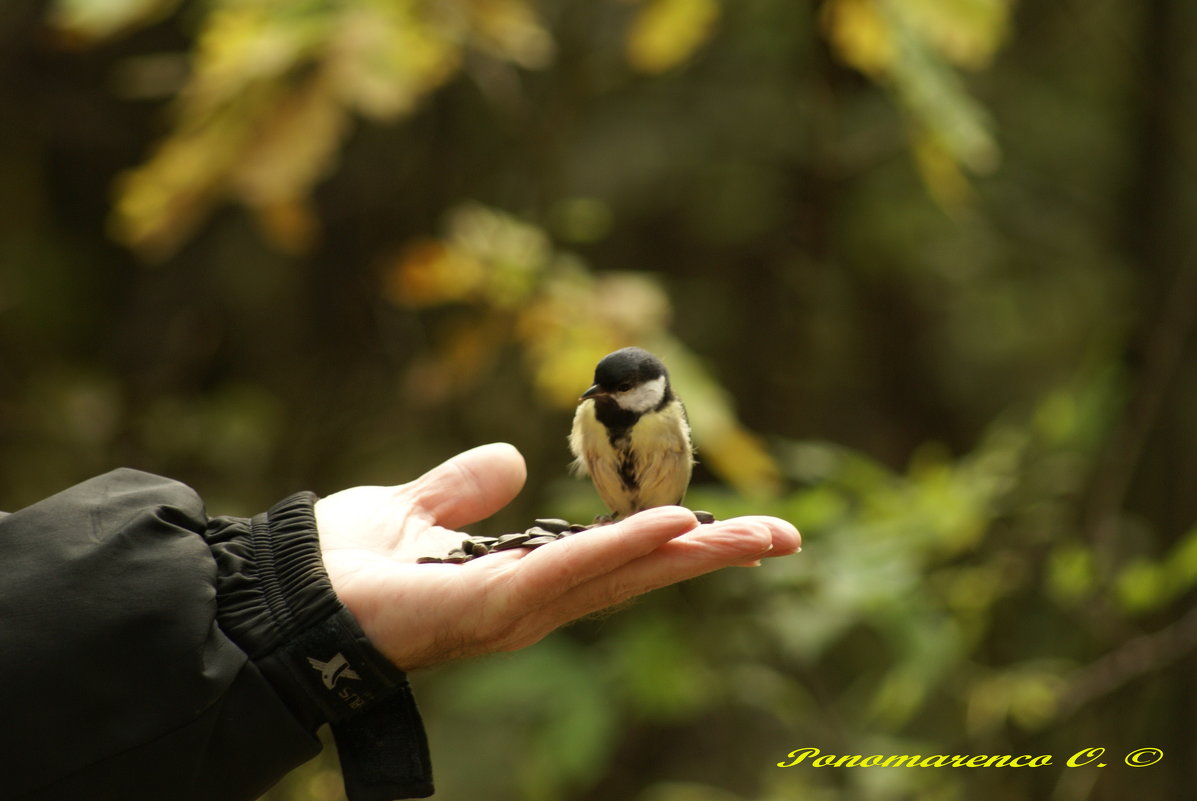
(334, 670)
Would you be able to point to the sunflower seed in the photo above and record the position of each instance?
(475, 547)
(509, 541)
(543, 531)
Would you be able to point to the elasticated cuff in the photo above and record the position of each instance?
(275, 600)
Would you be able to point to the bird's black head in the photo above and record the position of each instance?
(627, 368)
(631, 379)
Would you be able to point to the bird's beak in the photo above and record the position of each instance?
(592, 392)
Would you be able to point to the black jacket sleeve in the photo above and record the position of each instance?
(148, 651)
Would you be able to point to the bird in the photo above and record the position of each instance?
(630, 435)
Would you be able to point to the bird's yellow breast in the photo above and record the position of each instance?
(649, 466)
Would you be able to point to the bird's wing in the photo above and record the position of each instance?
(584, 421)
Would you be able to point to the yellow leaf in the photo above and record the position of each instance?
(732, 452)
(290, 225)
(509, 29)
(384, 59)
(909, 47)
(667, 32)
(965, 32)
(294, 144)
(515, 253)
(96, 19)
(429, 273)
(243, 46)
(860, 35)
(562, 365)
(272, 85)
(940, 172)
(740, 457)
(159, 203)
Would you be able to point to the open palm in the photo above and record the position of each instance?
(423, 614)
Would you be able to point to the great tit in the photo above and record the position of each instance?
(631, 435)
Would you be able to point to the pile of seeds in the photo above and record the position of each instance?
(542, 532)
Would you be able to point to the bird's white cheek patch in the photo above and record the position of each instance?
(644, 397)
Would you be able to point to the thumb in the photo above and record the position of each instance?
(470, 486)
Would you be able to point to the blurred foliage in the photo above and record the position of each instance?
(271, 86)
(513, 287)
(269, 92)
(260, 245)
(913, 47)
(666, 33)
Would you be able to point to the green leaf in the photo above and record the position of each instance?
(1141, 586)
(1071, 572)
(1181, 565)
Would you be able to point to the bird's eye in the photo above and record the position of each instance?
(624, 387)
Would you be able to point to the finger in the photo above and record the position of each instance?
(784, 538)
(544, 575)
(470, 486)
(703, 550)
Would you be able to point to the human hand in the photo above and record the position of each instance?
(419, 615)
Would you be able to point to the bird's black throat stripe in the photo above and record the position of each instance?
(618, 421)
(621, 441)
(627, 465)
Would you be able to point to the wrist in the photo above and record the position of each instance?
(276, 600)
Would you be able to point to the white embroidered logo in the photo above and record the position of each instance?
(333, 670)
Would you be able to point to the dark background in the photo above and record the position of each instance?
(924, 272)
